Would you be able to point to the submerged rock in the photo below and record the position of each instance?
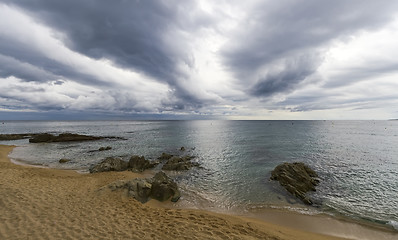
(161, 187)
(139, 163)
(64, 137)
(179, 163)
(110, 164)
(297, 178)
(104, 148)
(64, 160)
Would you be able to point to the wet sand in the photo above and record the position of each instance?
(41, 203)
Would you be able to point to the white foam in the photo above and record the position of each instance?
(394, 224)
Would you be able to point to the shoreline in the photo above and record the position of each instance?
(50, 202)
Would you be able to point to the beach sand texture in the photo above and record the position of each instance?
(41, 203)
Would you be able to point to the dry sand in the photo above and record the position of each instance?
(39, 203)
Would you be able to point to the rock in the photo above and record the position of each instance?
(139, 164)
(163, 188)
(105, 148)
(64, 160)
(160, 187)
(64, 137)
(140, 189)
(297, 178)
(165, 156)
(110, 164)
(182, 149)
(179, 163)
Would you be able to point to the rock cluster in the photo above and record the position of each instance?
(161, 187)
(136, 164)
(297, 178)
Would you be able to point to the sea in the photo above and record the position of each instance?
(357, 161)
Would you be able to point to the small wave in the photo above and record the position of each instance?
(394, 224)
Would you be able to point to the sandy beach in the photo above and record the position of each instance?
(41, 203)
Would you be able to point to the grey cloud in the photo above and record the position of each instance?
(282, 30)
(142, 35)
(28, 64)
(360, 73)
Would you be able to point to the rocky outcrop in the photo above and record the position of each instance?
(110, 164)
(161, 187)
(179, 163)
(139, 163)
(297, 178)
(64, 137)
(10, 137)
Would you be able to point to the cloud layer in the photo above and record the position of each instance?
(258, 59)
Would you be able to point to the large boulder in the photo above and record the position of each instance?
(179, 163)
(297, 178)
(163, 188)
(139, 163)
(110, 164)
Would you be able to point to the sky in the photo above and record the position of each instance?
(193, 59)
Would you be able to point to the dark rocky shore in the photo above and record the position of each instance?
(48, 138)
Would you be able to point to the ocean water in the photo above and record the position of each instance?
(357, 161)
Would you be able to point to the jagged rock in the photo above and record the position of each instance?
(64, 160)
(139, 163)
(110, 164)
(160, 187)
(104, 148)
(163, 187)
(140, 189)
(165, 156)
(297, 178)
(179, 163)
(64, 137)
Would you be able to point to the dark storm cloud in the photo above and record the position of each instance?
(293, 72)
(276, 32)
(142, 35)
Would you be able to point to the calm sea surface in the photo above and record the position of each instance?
(356, 160)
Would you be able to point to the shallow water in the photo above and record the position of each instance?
(356, 160)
